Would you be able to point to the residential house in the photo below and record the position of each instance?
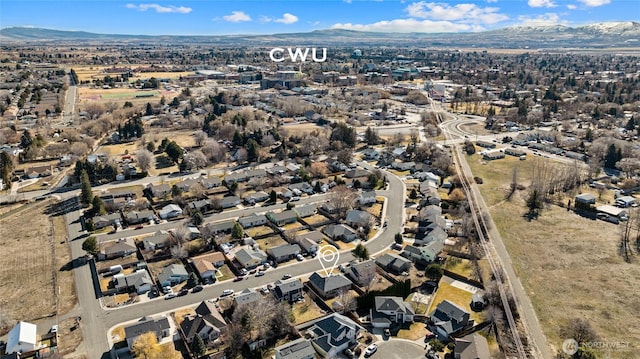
(172, 275)
(357, 172)
(449, 319)
(170, 211)
(39, 171)
(159, 191)
(106, 220)
(160, 326)
(388, 310)
(22, 338)
(276, 170)
(256, 197)
(136, 217)
(252, 220)
(283, 252)
(434, 233)
(491, 156)
(138, 281)
(282, 218)
(362, 273)
(356, 218)
(250, 258)
(207, 265)
(398, 151)
(200, 205)
(332, 334)
(585, 200)
(367, 198)
(341, 232)
(471, 346)
(186, 184)
(330, 208)
(298, 349)
(203, 327)
(212, 315)
(309, 241)
(158, 240)
(192, 233)
(211, 182)
(370, 154)
(289, 290)
(403, 166)
(392, 263)
(120, 248)
(301, 187)
(247, 297)
(306, 210)
(224, 227)
(229, 202)
(330, 286)
(425, 254)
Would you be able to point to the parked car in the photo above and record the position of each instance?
(237, 279)
(260, 273)
(387, 333)
(286, 276)
(371, 349)
(167, 289)
(170, 296)
(54, 328)
(294, 199)
(349, 353)
(299, 257)
(183, 292)
(139, 226)
(226, 293)
(197, 289)
(264, 290)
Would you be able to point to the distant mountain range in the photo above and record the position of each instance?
(599, 35)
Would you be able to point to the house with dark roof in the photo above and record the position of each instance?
(158, 240)
(388, 310)
(224, 227)
(289, 290)
(136, 217)
(158, 325)
(309, 241)
(330, 286)
(282, 218)
(356, 218)
(246, 297)
(424, 254)
(306, 210)
(106, 220)
(436, 234)
(284, 252)
(252, 220)
(201, 205)
(229, 202)
(362, 273)
(341, 232)
(393, 263)
(207, 323)
(448, 319)
(471, 346)
(159, 191)
(333, 334)
(298, 349)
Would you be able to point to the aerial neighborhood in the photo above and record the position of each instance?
(208, 202)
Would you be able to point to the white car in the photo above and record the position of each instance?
(371, 349)
(226, 292)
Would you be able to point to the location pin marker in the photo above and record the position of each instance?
(328, 257)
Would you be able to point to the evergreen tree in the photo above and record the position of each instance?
(149, 110)
(86, 195)
(90, 245)
(273, 196)
(197, 346)
(97, 206)
(237, 231)
(611, 158)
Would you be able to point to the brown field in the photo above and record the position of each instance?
(96, 72)
(270, 242)
(301, 128)
(568, 264)
(26, 266)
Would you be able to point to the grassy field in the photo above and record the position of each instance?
(270, 242)
(26, 266)
(460, 266)
(304, 312)
(258, 231)
(569, 265)
(415, 332)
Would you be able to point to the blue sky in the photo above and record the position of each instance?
(211, 17)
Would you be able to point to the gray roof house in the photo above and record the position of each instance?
(436, 235)
(289, 290)
(331, 286)
(138, 281)
(283, 252)
(389, 310)
(250, 258)
(356, 218)
(300, 348)
(231, 201)
(220, 227)
(341, 232)
(306, 210)
(172, 275)
(282, 218)
(170, 211)
(159, 191)
(393, 263)
(367, 197)
(106, 220)
(206, 326)
(448, 319)
(211, 182)
(362, 273)
(426, 254)
(586, 199)
(309, 241)
(252, 220)
(471, 346)
(135, 217)
(333, 334)
(158, 240)
(120, 248)
(246, 297)
(158, 325)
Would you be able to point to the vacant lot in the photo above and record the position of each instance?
(26, 266)
(568, 264)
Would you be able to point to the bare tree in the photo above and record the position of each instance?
(144, 158)
(343, 199)
(241, 155)
(179, 252)
(200, 137)
(348, 301)
(214, 152)
(78, 149)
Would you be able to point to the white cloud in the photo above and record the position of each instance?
(237, 16)
(160, 9)
(287, 19)
(571, 7)
(541, 20)
(492, 1)
(541, 3)
(410, 25)
(594, 3)
(465, 13)
(347, 1)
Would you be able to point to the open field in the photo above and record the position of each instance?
(88, 73)
(65, 278)
(259, 231)
(463, 267)
(26, 266)
(568, 264)
(301, 128)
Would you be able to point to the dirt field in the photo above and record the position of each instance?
(26, 266)
(568, 264)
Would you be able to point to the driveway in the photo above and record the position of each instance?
(399, 349)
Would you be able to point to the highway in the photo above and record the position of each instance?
(99, 320)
